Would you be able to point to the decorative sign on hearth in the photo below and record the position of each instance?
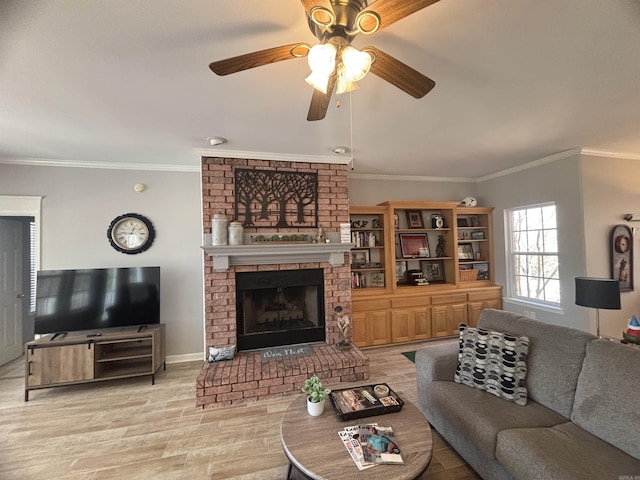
(287, 351)
(268, 198)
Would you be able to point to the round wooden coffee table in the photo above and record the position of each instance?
(314, 448)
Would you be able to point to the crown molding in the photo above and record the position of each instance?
(410, 178)
(533, 164)
(45, 162)
(611, 154)
(283, 157)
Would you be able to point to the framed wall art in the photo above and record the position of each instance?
(414, 245)
(414, 219)
(622, 257)
(360, 258)
(433, 270)
(465, 251)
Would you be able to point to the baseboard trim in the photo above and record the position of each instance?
(187, 357)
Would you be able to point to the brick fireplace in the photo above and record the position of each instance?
(249, 376)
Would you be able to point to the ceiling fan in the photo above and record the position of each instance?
(334, 62)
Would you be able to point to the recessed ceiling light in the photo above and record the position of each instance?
(216, 141)
(339, 150)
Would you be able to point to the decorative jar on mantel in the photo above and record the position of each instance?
(236, 231)
(219, 229)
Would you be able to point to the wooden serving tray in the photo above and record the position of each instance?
(363, 401)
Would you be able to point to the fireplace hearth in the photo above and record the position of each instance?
(277, 308)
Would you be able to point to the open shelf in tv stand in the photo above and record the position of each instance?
(84, 357)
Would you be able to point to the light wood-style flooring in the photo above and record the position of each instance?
(129, 429)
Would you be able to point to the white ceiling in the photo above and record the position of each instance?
(127, 81)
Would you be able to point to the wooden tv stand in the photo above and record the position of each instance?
(93, 356)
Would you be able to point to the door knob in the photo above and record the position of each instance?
(20, 295)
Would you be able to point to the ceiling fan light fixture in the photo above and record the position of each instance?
(322, 58)
(318, 81)
(343, 83)
(356, 63)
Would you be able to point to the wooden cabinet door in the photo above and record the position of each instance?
(458, 316)
(422, 322)
(402, 326)
(379, 327)
(474, 308)
(439, 320)
(359, 332)
(61, 364)
(446, 318)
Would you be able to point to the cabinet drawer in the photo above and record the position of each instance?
(410, 302)
(487, 295)
(446, 299)
(368, 305)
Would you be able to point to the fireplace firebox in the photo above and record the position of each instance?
(276, 308)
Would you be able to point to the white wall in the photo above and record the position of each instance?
(79, 204)
(365, 191)
(558, 181)
(611, 189)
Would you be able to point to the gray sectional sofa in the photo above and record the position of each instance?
(581, 420)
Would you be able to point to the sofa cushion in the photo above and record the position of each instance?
(608, 395)
(562, 452)
(554, 360)
(478, 416)
(493, 361)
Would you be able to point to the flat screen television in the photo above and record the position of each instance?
(96, 298)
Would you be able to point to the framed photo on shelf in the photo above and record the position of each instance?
(414, 219)
(433, 270)
(401, 270)
(465, 251)
(462, 222)
(360, 258)
(414, 245)
(477, 235)
(483, 270)
(377, 279)
(473, 221)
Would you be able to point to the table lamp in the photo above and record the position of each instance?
(598, 293)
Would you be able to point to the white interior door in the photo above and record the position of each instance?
(11, 295)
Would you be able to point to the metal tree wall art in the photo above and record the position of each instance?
(268, 198)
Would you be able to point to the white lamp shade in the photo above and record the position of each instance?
(356, 63)
(322, 59)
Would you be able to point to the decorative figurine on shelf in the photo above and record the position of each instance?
(344, 324)
(440, 247)
(632, 335)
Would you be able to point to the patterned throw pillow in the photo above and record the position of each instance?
(493, 361)
(216, 354)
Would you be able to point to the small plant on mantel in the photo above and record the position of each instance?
(314, 389)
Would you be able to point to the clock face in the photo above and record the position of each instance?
(131, 233)
(622, 243)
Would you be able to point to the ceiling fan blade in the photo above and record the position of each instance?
(390, 11)
(397, 73)
(320, 101)
(259, 58)
(309, 4)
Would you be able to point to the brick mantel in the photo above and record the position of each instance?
(247, 377)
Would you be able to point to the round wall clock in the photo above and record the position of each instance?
(131, 233)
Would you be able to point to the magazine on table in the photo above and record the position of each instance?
(378, 445)
(355, 450)
(370, 445)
